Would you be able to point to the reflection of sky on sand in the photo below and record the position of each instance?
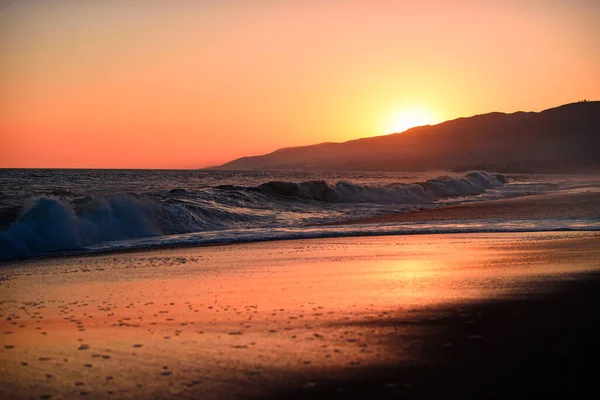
(174, 321)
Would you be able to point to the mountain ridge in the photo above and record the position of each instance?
(565, 138)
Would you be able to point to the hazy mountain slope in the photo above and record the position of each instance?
(562, 139)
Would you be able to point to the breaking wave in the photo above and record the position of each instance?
(472, 184)
(63, 221)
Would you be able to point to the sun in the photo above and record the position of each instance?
(403, 120)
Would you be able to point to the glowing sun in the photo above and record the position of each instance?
(404, 120)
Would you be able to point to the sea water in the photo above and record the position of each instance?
(52, 211)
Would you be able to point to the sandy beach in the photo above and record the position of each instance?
(575, 203)
(419, 316)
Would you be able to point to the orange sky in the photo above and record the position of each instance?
(187, 84)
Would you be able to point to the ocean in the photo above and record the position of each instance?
(59, 211)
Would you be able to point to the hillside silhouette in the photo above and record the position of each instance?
(562, 139)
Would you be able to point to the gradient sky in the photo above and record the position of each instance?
(187, 84)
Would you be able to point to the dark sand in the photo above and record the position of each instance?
(428, 316)
(567, 204)
(533, 347)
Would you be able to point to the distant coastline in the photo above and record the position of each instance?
(564, 139)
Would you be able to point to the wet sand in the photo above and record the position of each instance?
(469, 315)
(576, 204)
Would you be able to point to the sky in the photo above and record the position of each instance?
(190, 84)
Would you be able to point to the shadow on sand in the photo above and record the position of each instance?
(541, 346)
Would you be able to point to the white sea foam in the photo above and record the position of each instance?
(315, 232)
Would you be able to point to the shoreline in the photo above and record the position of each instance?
(573, 204)
(325, 236)
(577, 204)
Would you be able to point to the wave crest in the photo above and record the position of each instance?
(472, 184)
